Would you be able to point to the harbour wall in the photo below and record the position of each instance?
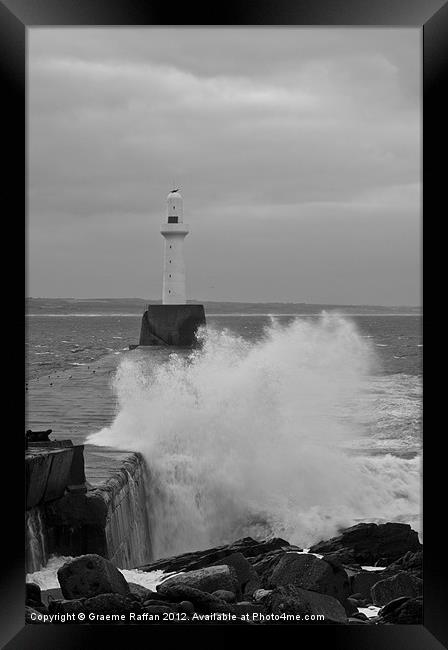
(110, 520)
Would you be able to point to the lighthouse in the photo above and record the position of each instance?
(174, 231)
(174, 322)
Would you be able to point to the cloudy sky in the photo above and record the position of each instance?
(297, 152)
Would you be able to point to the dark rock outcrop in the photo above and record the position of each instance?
(247, 546)
(202, 601)
(310, 573)
(208, 579)
(369, 542)
(403, 611)
(90, 575)
(289, 599)
(411, 562)
(226, 596)
(401, 584)
(248, 578)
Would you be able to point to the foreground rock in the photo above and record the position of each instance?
(411, 562)
(90, 575)
(289, 599)
(403, 611)
(209, 579)
(369, 543)
(310, 573)
(402, 584)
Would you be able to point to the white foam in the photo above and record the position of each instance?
(245, 438)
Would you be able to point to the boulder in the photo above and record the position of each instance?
(310, 573)
(225, 596)
(110, 604)
(202, 601)
(343, 556)
(156, 603)
(66, 606)
(186, 607)
(248, 578)
(401, 584)
(160, 609)
(142, 593)
(370, 542)
(408, 612)
(350, 606)
(51, 594)
(411, 562)
(289, 599)
(32, 615)
(91, 575)
(32, 593)
(209, 579)
(245, 607)
(363, 581)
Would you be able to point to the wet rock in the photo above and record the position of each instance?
(66, 606)
(209, 579)
(289, 599)
(186, 607)
(343, 556)
(225, 596)
(360, 615)
(350, 606)
(411, 562)
(110, 604)
(32, 593)
(363, 581)
(51, 594)
(248, 578)
(408, 612)
(354, 620)
(310, 573)
(401, 584)
(370, 542)
(247, 546)
(32, 615)
(260, 594)
(142, 593)
(203, 602)
(91, 575)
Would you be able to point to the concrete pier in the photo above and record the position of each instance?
(175, 325)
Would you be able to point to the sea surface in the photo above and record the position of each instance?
(290, 419)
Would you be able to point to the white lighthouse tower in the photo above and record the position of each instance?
(174, 230)
(173, 322)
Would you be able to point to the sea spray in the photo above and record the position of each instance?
(250, 438)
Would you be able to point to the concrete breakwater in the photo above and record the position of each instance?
(66, 516)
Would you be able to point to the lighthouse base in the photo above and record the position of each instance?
(171, 325)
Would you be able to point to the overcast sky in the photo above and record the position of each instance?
(297, 152)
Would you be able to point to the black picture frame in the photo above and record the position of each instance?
(431, 16)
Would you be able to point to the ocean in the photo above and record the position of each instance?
(291, 420)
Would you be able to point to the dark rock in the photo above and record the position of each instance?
(32, 615)
(382, 562)
(393, 604)
(401, 584)
(159, 609)
(33, 593)
(90, 575)
(354, 620)
(289, 599)
(360, 615)
(186, 607)
(409, 612)
(156, 603)
(202, 601)
(411, 562)
(51, 594)
(225, 596)
(370, 542)
(248, 578)
(66, 606)
(260, 594)
(141, 592)
(308, 572)
(155, 595)
(350, 606)
(246, 607)
(363, 581)
(110, 604)
(247, 546)
(209, 579)
(343, 556)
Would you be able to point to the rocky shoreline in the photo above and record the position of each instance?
(251, 582)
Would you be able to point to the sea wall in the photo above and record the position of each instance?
(110, 520)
